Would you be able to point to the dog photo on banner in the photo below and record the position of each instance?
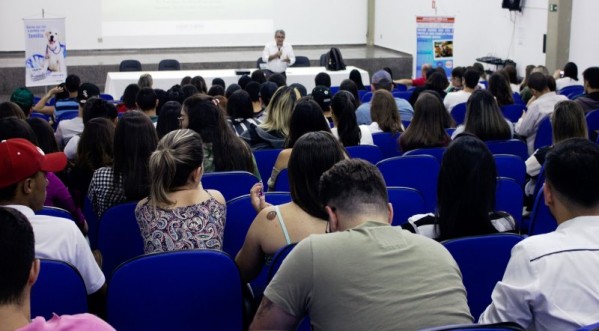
(45, 51)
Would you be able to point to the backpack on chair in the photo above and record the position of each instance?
(335, 60)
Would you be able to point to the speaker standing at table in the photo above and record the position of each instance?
(278, 55)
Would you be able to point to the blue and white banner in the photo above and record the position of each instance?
(434, 44)
(45, 51)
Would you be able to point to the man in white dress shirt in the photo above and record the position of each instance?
(278, 55)
(551, 280)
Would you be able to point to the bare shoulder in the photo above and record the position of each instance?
(217, 196)
(283, 159)
(141, 203)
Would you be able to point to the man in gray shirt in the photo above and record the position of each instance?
(382, 80)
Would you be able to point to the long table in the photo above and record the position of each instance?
(116, 82)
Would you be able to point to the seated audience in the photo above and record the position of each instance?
(417, 82)
(67, 129)
(322, 96)
(273, 130)
(300, 88)
(145, 81)
(185, 80)
(69, 103)
(258, 76)
(346, 127)
(456, 80)
(277, 226)
(129, 98)
(351, 87)
(549, 282)
(348, 279)
(267, 90)
(427, 128)
(383, 112)
(526, 93)
(484, 118)
(306, 117)
(128, 178)
(199, 83)
(541, 107)
(482, 74)
(218, 81)
(223, 150)
(589, 101)
(253, 89)
(19, 273)
(11, 109)
(322, 79)
(216, 90)
(465, 195)
(240, 111)
(24, 99)
(179, 214)
(435, 82)
(567, 121)
(23, 187)
(356, 77)
(470, 84)
(278, 79)
(512, 77)
(566, 77)
(500, 88)
(147, 101)
(169, 119)
(381, 80)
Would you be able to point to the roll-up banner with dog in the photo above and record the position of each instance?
(45, 51)
(434, 45)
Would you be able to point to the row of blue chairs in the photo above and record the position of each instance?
(511, 112)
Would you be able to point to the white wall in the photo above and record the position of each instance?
(481, 28)
(307, 22)
(584, 42)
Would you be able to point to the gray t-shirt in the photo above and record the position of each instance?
(372, 277)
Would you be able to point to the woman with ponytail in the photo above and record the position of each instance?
(179, 214)
(346, 127)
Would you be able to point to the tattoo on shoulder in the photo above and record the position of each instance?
(271, 215)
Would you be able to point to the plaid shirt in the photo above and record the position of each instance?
(102, 193)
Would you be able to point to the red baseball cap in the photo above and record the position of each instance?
(20, 159)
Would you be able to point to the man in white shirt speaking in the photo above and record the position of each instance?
(278, 55)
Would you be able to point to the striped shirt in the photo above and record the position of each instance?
(240, 125)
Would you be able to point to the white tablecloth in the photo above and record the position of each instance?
(116, 82)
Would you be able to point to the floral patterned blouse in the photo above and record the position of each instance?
(188, 227)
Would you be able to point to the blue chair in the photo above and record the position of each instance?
(458, 112)
(437, 152)
(301, 61)
(572, 89)
(277, 260)
(512, 146)
(130, 65)
(406, 202)
(509, 197)
(400, 88)
(169, 65)
(482, 261)
(403, 94)
(119, 237)
(505, 326)
(180, 290)
(513, 112)
(544, 134)
(93, 223)
(67, 115)
(450, 131)
(366, 97)
(370, 153)
(59, 289)
(592, 119)
(282, 181)
(106, 97)
(35, 114)
(406, 123)
(56, 212)
(511, 166)
(240, 215)
(334, 89)
(387, 143)
(230, 184)
(361, 94)
(265, 160)
(517, 98)
(540, 181)
(416, 171)
(574, 95)
(592, 327)
(541, 219)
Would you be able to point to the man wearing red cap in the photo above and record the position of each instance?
(23, 168)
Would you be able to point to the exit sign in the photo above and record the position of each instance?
(553, 7)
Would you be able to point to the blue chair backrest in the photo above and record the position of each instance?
(458, 112)
(406, 202)
(517, 98)
(544, 134)
(511, 166)
(482, 261)
(334, 89)
(93, 223)
(361, 94)
(240, 215)
(513, 112)
(301, 61)
(437, 152)
(266, 159)
(194, 288)
(400, 88)
(59, 289)
(540, 181)
(572, 89)
(231, 184)
(450, 131)
(403, 94)
(282, 181)
(169, 64)
(592, 119)
(40, 115)
(509, 197)
(119, 237)
(130, 65)
(592, 327)
(503, 326)
(56, 212)
(387, 143)
(512, 146)
(370, 153)
(67, 115)
(366, 97)
(416, 171)
(541, 219)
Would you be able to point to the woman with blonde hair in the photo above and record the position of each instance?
(179, 214)
(273, 130)
(384, 113)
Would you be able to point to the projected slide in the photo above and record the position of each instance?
(186, 17)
